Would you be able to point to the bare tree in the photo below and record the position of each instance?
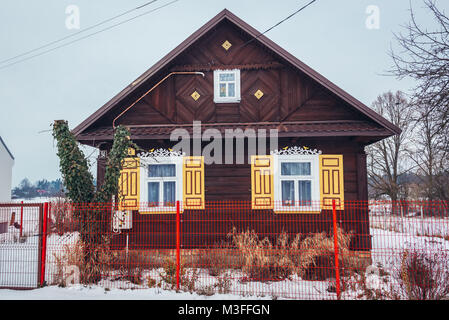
(430, 154)
(424, 56)
(387, 158)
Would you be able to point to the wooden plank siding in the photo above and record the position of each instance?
(292, 93)
(231, 184)
(289, 95)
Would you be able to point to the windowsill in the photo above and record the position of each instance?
(297, 211)
(227, 101)
(160, 210)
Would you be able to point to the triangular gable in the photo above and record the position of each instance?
(261, 39)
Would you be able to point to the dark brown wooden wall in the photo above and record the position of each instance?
(228, 197)
(289, 95)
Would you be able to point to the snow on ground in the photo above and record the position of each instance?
(427, 226)
(34, 200)
(80, 292)
(388, 246)
(56, 245)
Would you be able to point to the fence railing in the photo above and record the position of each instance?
(303, 250)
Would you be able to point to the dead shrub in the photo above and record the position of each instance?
(90, 265)
(423, 275)
(283, 257)
(218, 259)
(131, 264)
(317, 256)
(72, 256)
(61, 217)
(260, 259)
(223, 284)
(187, 278)
(254, 253)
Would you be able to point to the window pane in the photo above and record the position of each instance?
(222, 89)
(227, 77)
(169, 193)
(161, 170)
(288, 193)
(231, 90)
(153, 194)
(305, 192)
(295, 168)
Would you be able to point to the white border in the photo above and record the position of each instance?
(177, 161)
(314, 177)
(217, 98)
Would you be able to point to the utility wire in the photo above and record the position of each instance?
(76, 33)
(277, 24)
(88, 36)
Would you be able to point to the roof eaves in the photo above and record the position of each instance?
(6, 147)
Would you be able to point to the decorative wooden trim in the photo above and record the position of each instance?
(251, 66)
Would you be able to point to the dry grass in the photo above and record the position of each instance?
(61, 217)
(313, 258)
(89, 266)
(317, 256)
(423, 276)
(187, 279)
(263, 261)
(217, 259)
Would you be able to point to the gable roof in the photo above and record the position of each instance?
(261, 39)
(7, 150)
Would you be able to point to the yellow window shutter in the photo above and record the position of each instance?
(331, 181)
(129, 185)
(262, 191)
(193, 180)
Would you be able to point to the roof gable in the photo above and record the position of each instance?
(262, 40)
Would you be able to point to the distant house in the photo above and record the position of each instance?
(6, 163)
(230, 77)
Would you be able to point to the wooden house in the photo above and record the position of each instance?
(229, 77)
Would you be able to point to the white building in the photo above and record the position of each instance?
(6, 163)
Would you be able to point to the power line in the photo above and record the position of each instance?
(76, 33)
(88, 36)
(277, 24)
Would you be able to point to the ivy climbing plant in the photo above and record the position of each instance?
(74, 166)
(90, 203)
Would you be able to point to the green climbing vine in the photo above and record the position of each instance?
(90, 203)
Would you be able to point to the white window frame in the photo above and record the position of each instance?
(144, 180)
(313, 177)
(217, 98)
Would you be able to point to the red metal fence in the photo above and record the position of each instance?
(364, 250)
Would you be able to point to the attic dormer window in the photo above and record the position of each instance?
(227, 86)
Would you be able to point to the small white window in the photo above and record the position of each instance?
(227, 86)
(296, 183)
(161, 183)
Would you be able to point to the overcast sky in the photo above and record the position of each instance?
(72, 82)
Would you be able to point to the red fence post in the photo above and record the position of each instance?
(21, 218)
(44, 243)
(178, 245)
(337, 269)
